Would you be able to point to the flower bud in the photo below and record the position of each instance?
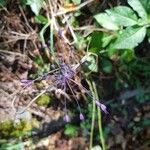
(66, 118)
(81, 116)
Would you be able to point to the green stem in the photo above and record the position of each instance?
(43, 31)
(52, 42)
(99, 119)
(43, 40)
(52, 39)
(49, 23)
(93, 117)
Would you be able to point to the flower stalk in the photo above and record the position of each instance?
(103, 108)
(100, 107)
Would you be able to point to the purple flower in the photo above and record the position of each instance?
(26, 82)
(81, 116)
(64, 75)
(44, 46)
(66, 118)
(98, 103)
(102, 107)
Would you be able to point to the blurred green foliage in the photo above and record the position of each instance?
(71, 130)
(3, 3)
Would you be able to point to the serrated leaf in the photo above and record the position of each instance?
(106, 21)
(35, 5)
(123, 16)
(138, 7)
(129, 38)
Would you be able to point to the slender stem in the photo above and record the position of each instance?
(102, 140)
(93, 116)
(74, 96)
(43, 31)
(52, 39)
(95, 95)
(43, 40)
(53, 28)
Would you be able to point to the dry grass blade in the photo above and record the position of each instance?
(64, 11)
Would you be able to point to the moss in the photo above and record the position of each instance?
(43, 100)
(8, 129)
(5, 128)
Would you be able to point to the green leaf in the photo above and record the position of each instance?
(146, 5)
(41, 19)
(3, 3)
(77, 2)
(106, 66)
(148, 34)
(106, 21)
(117, 16)
(90, 62)
(35, 5)
(123, 16)
(128, 55)
(112, 53)
(129, 38)
(96, 42)
(107, 38)
(138, 7)
(81, 42)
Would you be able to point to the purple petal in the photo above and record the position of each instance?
(66, 118)
(81, 116)
(98, 103)
(45, 46)
(25, 81)
(102, 106)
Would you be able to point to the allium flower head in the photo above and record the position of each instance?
(65, 73)
(62, 79)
